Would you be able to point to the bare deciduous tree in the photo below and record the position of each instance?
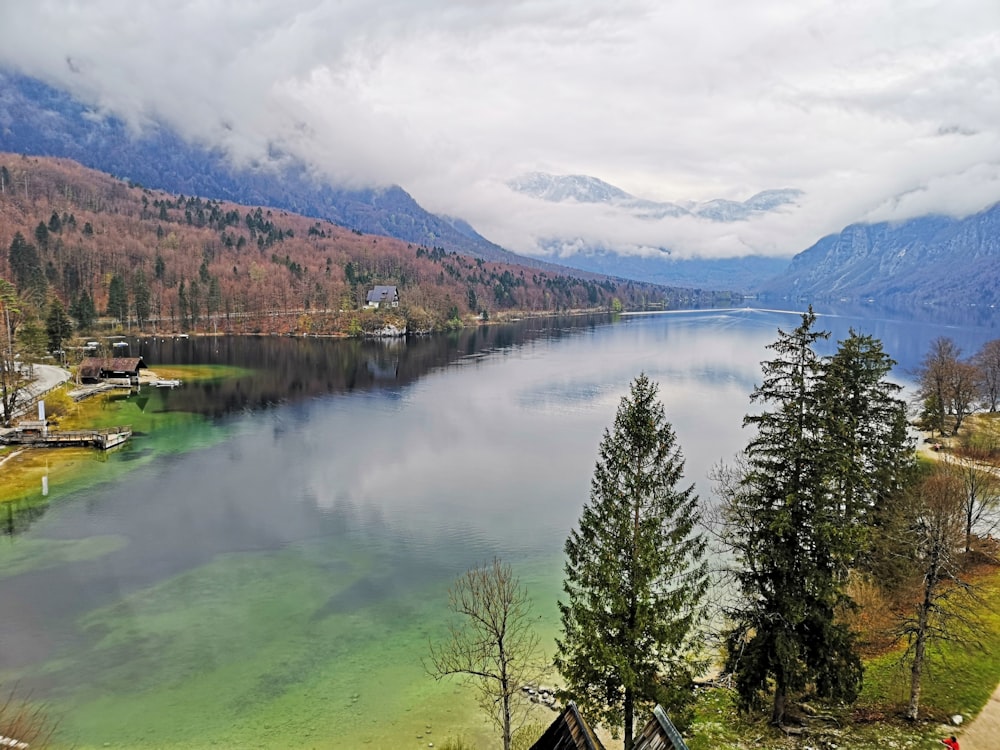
(987, 359)
(949, 387)
(13, 381)
(493, 644)
(935, 532)
(981, 489)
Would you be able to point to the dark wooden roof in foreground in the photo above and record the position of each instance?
(568, 732)
(659, 734)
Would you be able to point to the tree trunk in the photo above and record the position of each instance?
(505, 689)
(917, 668)
(629, 710)
(778, 708)
(919, 651)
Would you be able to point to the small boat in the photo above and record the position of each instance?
(167, 383)
(120, 345)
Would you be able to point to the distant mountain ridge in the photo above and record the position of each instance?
(739, 274)
(586, 189)
(39, 120)
(930, 260)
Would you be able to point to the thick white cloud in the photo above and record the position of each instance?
(877, 110)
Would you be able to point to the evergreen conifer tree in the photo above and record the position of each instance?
(118, 299)
(634, 572)
(831, 449)
(872, 456)
(84, 310)
(58, 326)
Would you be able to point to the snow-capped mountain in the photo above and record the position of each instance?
(579, 188)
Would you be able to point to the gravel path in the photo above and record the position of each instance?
(984, 731)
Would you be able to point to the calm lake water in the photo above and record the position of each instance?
(274, 581)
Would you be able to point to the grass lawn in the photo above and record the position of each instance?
(959, 680)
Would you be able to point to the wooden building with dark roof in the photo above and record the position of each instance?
(568, 732)
(96, 369)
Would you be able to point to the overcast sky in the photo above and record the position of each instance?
(877, 109)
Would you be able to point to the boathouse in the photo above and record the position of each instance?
(116, 369)
(387, 296)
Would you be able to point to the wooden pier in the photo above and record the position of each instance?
(105, 439)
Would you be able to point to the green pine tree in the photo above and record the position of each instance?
(26, 267)
(84, 310)
(635, 573)
(142, 299)
(873, 461)
(58, 326)
(118, 299)
(831, 450)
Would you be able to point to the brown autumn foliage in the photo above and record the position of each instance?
(214, 266)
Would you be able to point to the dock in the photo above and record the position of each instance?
(86, 391)
(105, 439)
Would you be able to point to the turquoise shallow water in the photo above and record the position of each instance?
(269, 573)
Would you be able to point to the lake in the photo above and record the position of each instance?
(266, 567)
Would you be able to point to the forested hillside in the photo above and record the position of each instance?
(159, 262)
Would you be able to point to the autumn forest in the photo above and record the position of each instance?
(118, 256)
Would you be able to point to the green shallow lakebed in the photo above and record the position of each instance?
(307, 647)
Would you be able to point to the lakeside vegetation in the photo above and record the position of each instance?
(155, 432)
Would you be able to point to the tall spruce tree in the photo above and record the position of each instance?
(118, 299)
(793, 538)
(872, 456)
(58, 326)
(635, 573)
(142, 298)
(26, 266)
(84, 310)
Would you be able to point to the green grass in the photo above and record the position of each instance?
(960, 679)
(199, 373)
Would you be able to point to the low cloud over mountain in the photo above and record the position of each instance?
(875, 111)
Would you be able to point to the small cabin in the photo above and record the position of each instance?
(121, 369)
(380, 296)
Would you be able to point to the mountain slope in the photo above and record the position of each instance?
(37, 119)
(928, 260)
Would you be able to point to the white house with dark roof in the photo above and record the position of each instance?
(383, 296)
